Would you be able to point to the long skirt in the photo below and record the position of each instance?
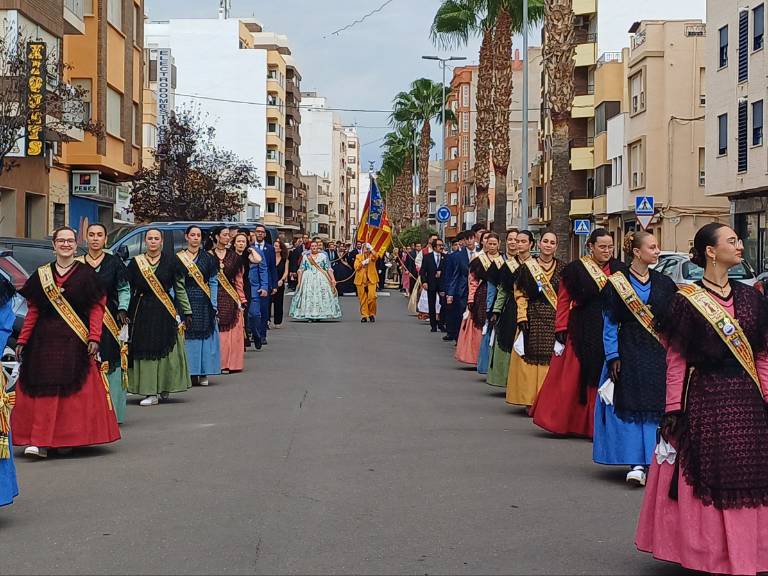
(204, 356)
(9, 488)
(117, 393)
(233, 346)
(557, 408)
(699, 537)
(498, 369)
(85, 418)
(413, 300)
(169, 374)
(484, 356)
(468, 346)
(524, 381)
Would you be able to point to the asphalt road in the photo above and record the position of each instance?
(344, 448)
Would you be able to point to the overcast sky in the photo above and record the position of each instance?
(366, 65)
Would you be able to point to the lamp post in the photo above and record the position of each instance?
(524, 185)
(443, 64)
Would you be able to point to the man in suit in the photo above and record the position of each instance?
(331, 251)
(366, 281)
(294, 260)
(410, 266)
(433, 281)
(457, 286)
(267, 252)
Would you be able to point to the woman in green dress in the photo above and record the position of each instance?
(157, 361)
(504, 317)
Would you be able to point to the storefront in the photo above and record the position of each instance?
(93, 200)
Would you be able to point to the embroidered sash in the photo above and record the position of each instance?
(319, 268)
(726, 327)
(194, 271)
(512, 264)
(595, 271)
(640, 311)
(146, 270)
(541, 279)
(7, 402)
(227, 285)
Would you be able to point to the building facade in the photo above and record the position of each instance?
(353, 179)
(319, 205)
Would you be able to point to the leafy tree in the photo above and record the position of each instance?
(414, 234)
(192, 178)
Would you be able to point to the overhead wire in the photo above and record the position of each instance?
(360, 20)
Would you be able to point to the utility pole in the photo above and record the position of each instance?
(524, 185)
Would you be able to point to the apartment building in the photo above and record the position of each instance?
(353, 177)
(736, 163)
(320, 206)
(295, 190)
(34, 195)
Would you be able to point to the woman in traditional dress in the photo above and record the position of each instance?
(504, 317)
(240, 246)
(566, 401)
(474, 318)
(536, 296)
(315, 297)
(278, 298)
(491, 280)
(628, 409)
(706, 507)
(157, 359)
(202, 283)
(9, 488)
(62, 396)
(112, 348)
(231, 302)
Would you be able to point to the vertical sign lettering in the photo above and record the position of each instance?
(36, 78)
(163, 91)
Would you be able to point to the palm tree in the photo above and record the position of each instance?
(495, 21)
(421, 105)
(558, 51)
(396, 175)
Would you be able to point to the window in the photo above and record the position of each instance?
(322, 229)
(723, 53)
(454, 153)
(271, 207)
(272, 127)
(702, 171)
(758, 26)
(59, 215)
(743, 45)
(757, 123)
(454, 199)
(464, 169)
(465, 121)
(636, 165)
(136, 128)
(115, 13)
(465, 95)
(271, 180)
(454, 176)
(150, 137)
(722, 134)
(742, 127)
(272, 74)
(702, 85)
(322, 209)
(272, 155)
(604, 112)
(617, 170)
(638, 93)
(465, 146)
(114, 110)
(84, 85)
(352, 159)
(136, 23)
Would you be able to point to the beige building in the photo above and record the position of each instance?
(353, 179)
(319, 205)
(736, 163)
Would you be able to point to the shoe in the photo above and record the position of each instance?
(257, 343)
(363, 320)
(149, 401)
(636, 476)
(447, 338)
(433, 330)
(64, 451)
(373, 319)
(225, 371)
(263, 341)
(203, 381)
(164, 395)
(38, 451)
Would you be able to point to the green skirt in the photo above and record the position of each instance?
(169, 374)
(498, 370)
(117, 393)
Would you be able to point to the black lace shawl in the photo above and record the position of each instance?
(229, 310)
(640, 391)
(55, 361)
(111, 274)
(506, 327)
(723, 451)
(540, 339)
(203, 314)
(585, 323)
(479, 308)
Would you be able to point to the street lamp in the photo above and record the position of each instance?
(443, 64)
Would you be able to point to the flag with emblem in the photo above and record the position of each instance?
(374, 225)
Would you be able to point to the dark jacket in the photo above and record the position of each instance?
(429, 272)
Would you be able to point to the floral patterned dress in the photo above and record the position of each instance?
(315, 299)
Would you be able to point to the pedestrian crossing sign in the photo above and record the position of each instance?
(582, 227)
(644, 206)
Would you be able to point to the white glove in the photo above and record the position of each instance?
(559, 348)
(606, 392)
(492, 339)
(519, 345)
(366, 262)
(124, 333)
(665, 452)
(466, 314)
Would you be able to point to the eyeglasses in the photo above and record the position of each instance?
(65, 241)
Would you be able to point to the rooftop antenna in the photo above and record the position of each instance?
(225, 8)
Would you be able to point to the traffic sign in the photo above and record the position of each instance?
(443, 214)
(644, 206)
(582, 227)
(644, 220)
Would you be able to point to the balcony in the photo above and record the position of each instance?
(292, 133)
(582, 153)
(74, 20)
(583, 106)
(582, 207)
(586, 48)
(584, 7)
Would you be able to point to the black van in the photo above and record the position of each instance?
(128, 241)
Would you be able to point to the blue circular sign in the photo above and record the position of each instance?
(443, 214)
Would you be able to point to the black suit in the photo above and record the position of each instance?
(433, 274)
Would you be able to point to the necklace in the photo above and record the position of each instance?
(153, 259)
(546, 266)
(720, 288)
(67, 267)
(638, 274)
(94, 261)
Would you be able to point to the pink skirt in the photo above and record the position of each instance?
(468, 346)
(233, 346)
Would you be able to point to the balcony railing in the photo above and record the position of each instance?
(582, 142)
(609, 57)
(584, 37)
(583, 89)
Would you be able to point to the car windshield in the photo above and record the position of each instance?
(694, 272)
(118, 233)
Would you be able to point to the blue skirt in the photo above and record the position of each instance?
(204, 356)
(484, 357)
(9, 489)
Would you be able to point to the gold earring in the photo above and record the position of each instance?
(714, 261)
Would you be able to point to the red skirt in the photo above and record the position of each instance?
(83, 419)
(557, 408)
(468, 345)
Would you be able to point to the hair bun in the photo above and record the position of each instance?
(629, 239)
(697, 258)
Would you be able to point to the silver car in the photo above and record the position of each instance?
(680, 268)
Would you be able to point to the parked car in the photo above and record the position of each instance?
(31, 254)
(667, 254)
(127, 242)
(680, 268)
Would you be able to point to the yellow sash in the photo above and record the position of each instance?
(726, 326)
(194, 271)
(146, 270)
(314, 263)
(227, 285)
(541, 279)
(7, 402)
(512, 264)
(630, 298)
(595, 271)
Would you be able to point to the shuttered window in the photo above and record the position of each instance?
(722, 134)
(743, 45)
(743, 144)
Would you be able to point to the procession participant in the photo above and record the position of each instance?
(706, 507)
(295, 260)
(62, 396)
(343, 272)
(240, 246)
(504, 315)
(474, 317)
(114, 279)
(201, 280)
(433, 283)
(456, 287)
(566, 401)
(366, 282)
(491, 252)
(157, 358)
(536, 297)
(231, 301)
(278, 298)
(628, 409)
(267, 251)
(258, 280)
(9, 488)
(315, 297)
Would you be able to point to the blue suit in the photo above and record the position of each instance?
(258, 278)
(269, 258)
(457, 287)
